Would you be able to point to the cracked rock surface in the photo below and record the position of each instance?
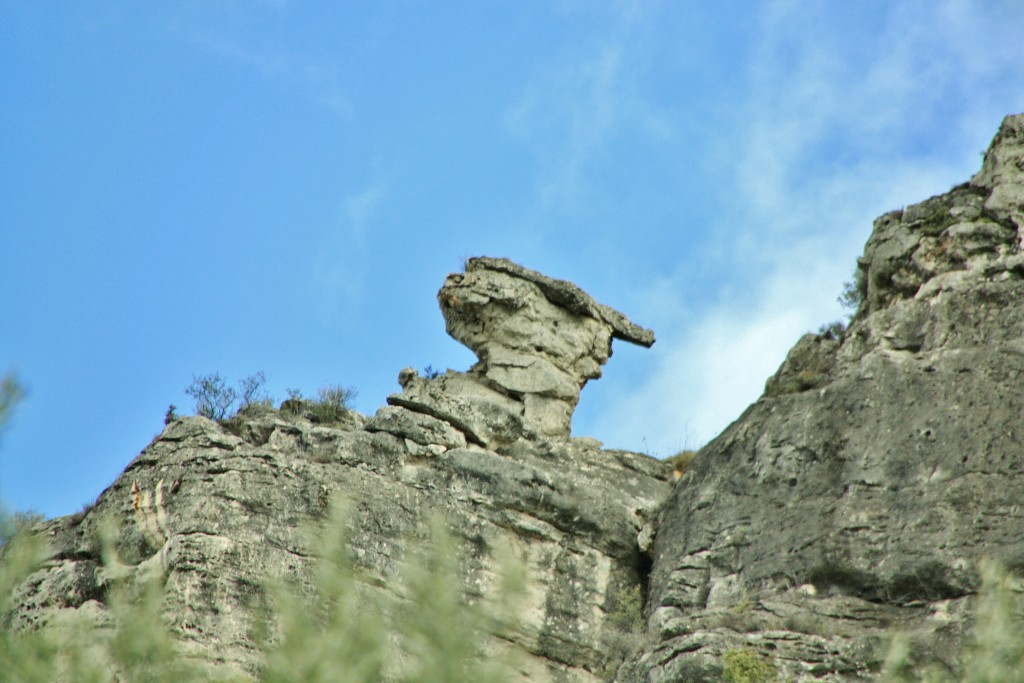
(219, 508)
(859, 494)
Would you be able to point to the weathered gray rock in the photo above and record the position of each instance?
(857, 497)
(538, 340)
(217, 509)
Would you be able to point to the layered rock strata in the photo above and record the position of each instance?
(218, 508)
(858, 496)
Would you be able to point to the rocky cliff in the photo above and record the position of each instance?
(218, 508)
(855, 498)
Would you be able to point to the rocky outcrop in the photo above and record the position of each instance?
(858, 495)
(538, 341)
(854, 499)
(218, 508)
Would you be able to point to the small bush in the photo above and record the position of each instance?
(11, 392)
(854, 291)
(212, 395)
(681, 462)
(996, 651)
(743, 665)
(250, 391)
(851, 297)
(833, 330)
(215, 399)
(332, 403)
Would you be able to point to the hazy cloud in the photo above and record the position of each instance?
(358, 208)
(566, 116)
(823, 144)
(340, 266)
(575, 106)
(320, 78)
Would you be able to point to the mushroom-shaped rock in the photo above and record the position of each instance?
(538, 341)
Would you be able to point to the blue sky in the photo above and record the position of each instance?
(218, 186)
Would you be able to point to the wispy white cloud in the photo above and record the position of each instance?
(320, 77)
(359, 207)
(575, 106)
(828, 138)
(340, 267)
(566, 116)
(707, 368)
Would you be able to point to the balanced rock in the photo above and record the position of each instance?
(538, 341)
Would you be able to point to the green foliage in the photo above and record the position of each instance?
(851, 297)
(126, 643)
(443, 634)
(833, 330)
(681, 461)
(624, 604)
(15, 524)
(422, 629)
(335, 637)
(996, 651)
(215, 399)
(854, 291)
(25, 657)
(628, 612)
(332, 403)
(349, 633)
(11, 392)
(743, 665)
(429, 633)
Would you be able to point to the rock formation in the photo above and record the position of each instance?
(857, 496)
(218, 508)
(854, 499)
(538, 340)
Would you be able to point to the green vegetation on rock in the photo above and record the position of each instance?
(428, 631)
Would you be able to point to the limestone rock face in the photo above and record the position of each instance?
(859, 494)
(538, 340)
(218, 508)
